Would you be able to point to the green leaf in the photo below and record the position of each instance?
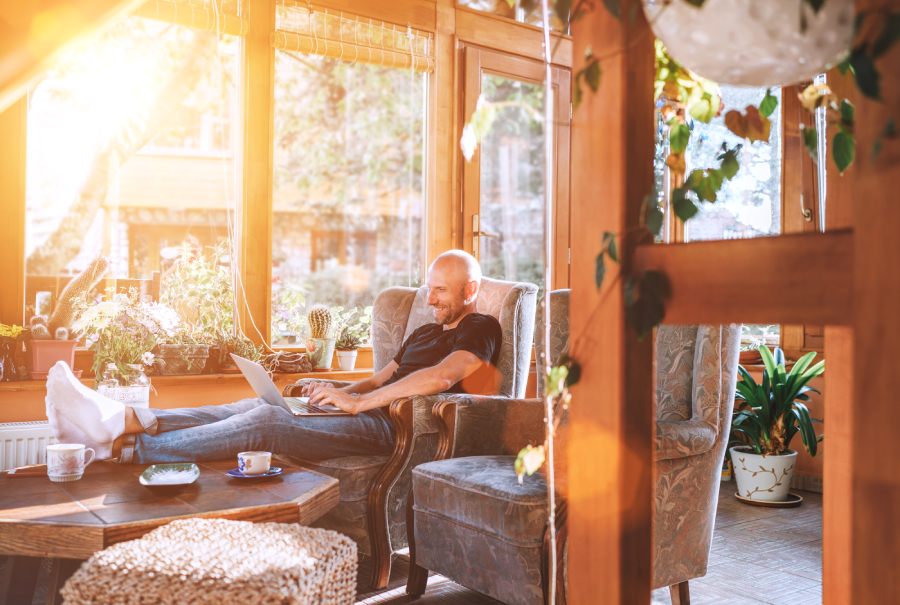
(654, 217)
(697, 3)
(679, 136)
(888, 132)
(866, 74)
(600, 270)
(847, 112)
(684, 208)
(609, 245)
(810, 141)
(816, 5)
(768, 104)
(592, 74)
(889, 35)
(843, 150)
(730, 165)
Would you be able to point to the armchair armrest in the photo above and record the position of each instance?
(683, 438)
(474, 425)
(293, 390)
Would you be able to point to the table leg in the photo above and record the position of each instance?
(60, 571)
(18, 579)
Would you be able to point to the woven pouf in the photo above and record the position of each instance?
(199, 561)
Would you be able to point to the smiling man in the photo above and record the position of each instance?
(456, 353)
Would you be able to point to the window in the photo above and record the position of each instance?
(749, 205)
(131, 153)
(348, 187)
(524, 11)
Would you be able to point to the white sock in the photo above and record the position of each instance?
(78, 414)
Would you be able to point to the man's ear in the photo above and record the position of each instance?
(471, 291)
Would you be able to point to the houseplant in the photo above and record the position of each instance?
(10, 336)
(766, 419)
(352, 332)
(122, 330)
(320, 344)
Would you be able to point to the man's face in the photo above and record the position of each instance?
(446, 294)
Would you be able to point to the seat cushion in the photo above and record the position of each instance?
(483, 493)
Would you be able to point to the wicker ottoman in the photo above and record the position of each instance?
(198, 561)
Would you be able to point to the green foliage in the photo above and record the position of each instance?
(589, 74)
(645, 296)
(768, 104)
(353, 327)
(679, 136)
(843, 150)
(770, 414)
(810, 140)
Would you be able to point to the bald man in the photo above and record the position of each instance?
(457, 353)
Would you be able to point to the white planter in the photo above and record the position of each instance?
(347, 359)
(753, 42)
(320, 352)
(761, 477)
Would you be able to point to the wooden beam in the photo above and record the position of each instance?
(32, 33)
(802, 278)
(12, 209)
(611, 436)
(875, 539)
(255, 257)
(500, 33)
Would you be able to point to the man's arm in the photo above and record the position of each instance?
(427, 381)
(363, 386)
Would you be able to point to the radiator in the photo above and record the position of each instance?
(24, 443)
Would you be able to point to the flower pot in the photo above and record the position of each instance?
(762, 477)
(347, 359)
(175, 360)
(45, 353)
(320, 351)
(759, 43)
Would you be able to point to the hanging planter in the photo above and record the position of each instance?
(754, 43)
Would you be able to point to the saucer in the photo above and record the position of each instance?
(273, 471)
(792, 501)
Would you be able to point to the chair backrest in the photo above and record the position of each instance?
(397, 312)
(559, 334)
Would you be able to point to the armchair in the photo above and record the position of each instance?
(471, 520)
(374, 489)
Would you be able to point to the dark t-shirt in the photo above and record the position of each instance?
(428, 345)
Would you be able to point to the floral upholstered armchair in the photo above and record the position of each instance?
(471, 520)
(374, 489)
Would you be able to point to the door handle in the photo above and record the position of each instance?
(477, 234)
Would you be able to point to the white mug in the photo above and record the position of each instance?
(254, 463)
(66, 461)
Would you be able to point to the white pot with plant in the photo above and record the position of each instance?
(353, 332)
(767, 417)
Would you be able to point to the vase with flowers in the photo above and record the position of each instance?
(122, 330)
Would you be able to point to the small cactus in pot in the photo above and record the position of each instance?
(320, 345)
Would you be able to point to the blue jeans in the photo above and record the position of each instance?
(217, 432)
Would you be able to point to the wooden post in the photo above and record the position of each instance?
(611, 438)
(12, 208)
(255, 257)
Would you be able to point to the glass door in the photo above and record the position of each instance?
(504, 183)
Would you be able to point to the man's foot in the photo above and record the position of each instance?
(79, 415)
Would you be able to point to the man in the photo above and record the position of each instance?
(456, 353)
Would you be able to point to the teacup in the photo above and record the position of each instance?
(254, 463)
(66, 461)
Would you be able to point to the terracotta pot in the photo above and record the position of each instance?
(45, 353)
(761, 477)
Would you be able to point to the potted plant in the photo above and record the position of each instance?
(320, 344)
(767, 418)
(241, 346)
(122, 330)
(353, 331)
(9, 346)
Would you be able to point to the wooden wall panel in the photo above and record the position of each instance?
(611, 432)
(12, 209)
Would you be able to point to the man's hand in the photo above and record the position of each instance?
(309, 388)
(325, 394)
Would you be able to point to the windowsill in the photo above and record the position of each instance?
(175, 381)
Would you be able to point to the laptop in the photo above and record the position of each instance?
(266, 390)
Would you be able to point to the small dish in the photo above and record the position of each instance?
(167, 475)
(273, 471)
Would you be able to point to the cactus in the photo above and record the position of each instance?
(86, 281)
(319, 318)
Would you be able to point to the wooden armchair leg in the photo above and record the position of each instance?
(680, 593)
(417, 580)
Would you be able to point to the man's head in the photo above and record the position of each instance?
(454, 279)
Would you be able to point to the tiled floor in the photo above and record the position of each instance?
(759, 555)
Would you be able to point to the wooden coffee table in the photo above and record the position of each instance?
(68, 522)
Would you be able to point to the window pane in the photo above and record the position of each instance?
(349, 194)
(512, 182)
(131, 140)
(524, 11)
(749, 205)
